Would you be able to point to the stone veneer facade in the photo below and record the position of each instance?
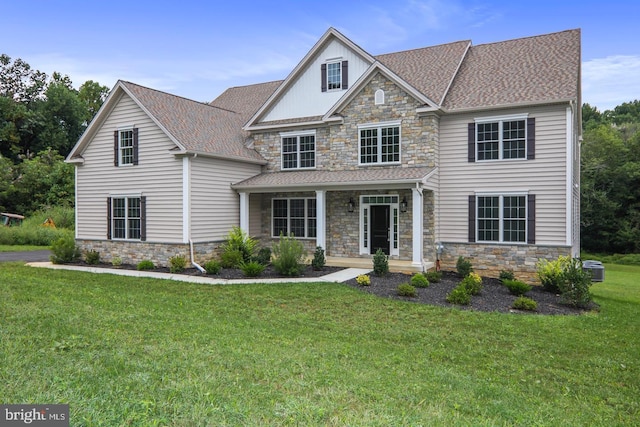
(488, 260)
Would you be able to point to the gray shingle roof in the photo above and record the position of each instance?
(320, 178)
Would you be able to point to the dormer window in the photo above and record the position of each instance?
(335, 75)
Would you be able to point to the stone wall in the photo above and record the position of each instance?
(488, 260)
(160, 253)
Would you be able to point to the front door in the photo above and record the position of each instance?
(380, 228)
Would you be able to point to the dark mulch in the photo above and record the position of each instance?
(493, 297)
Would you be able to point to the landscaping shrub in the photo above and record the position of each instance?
(380, 263)
(419, 281)
(459, 295)
(506, 275)
(574, 288)
(116, 261)
(239, 240)
(516, 287)
(463, 267)
(318, 259)
(231, 258)
(263, 256)
(289, 255)
(212, 267)
(177, 264)
(551, 273)
(145, 265)
(64, 250)
(92, 257)
(433, 276)
(472, 283)
(363, 280)
(252, 268)
(524, 303)
(407, 290)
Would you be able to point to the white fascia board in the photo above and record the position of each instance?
(182, 153)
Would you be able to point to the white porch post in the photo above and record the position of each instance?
(321, 219)
(244, 211)
(418, 213)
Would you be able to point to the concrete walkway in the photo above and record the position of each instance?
(337, 277)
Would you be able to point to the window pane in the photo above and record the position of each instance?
(515, 215)
(119, 231)
(280, 217)
(513, 139)
(289, 153)
(334, 75)
(126, 147)
(489, 218)
(390, 144)
(369, 146)
(307, 151)
(488, 141)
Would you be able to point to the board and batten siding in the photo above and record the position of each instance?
(545, 176)
(158, 176)
(304, 98)
(215, 207)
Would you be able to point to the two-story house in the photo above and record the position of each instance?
(428, 154)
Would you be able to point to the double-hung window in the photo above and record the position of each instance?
(295, 216)
(126, 218)
(298, 150)
(380, 143)
(334, 75)
(502, 218)
(125, 146)
(509, 137)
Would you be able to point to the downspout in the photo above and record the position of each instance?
(193, 261)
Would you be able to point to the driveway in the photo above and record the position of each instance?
(27, 256)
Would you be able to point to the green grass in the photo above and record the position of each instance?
(21, 248)
(130, 351)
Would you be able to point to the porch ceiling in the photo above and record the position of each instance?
(371, 177)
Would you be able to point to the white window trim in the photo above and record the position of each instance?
(395, 215)
(297, 135)
(306, 216)
(501, 120)
(381, 125)
(125, 196)
(121, 162)
(331, 62)
(501, 196)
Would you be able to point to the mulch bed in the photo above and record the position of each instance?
(493, 297)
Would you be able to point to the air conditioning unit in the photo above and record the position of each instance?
(596, 268)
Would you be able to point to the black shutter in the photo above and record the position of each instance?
(323, 77)
(531, 218)
(143, 218)
(345, 74)
(135, 146)
(472, 218)
(108, 218)
(531, 138)
(115, 148)
(471, 142)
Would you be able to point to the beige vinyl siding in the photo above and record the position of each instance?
(158, 176)
(545, 176)
(215, 207)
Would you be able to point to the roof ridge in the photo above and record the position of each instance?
(528, 37)
(421, 48)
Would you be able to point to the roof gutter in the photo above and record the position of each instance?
(508, 106)
(334, 185)
(217, 156)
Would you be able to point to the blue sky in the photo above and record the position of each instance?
(197, 49)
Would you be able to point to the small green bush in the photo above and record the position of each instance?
(239, 240)
(252, 268)
(574, 288)
(289, 255)
(380, 263)
(231, 258)
(363, 280)
(177, 264)
(472, 283)
(212, 267)
(145, 265)
(263, 256)
(419, 281)
(116, 261)
(551, 273)
(433, 276)
(459, 295)
(516, 287)
(92, 257)
(524, 303)
(506, 275)
(463, 267)
(64, 250)
(319, 260)
(407, 290)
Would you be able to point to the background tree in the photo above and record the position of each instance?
(92, 95)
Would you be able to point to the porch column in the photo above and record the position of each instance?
(244, 211)
(321, 219)
(418, 220)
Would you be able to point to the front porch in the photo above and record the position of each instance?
(395, 265)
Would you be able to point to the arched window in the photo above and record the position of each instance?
(379, 97)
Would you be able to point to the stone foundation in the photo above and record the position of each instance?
(489, 260)
(159, 253)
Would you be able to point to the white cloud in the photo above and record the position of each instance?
(610, 81)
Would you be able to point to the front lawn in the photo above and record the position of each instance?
(130, 351)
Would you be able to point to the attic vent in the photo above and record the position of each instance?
(379, 97)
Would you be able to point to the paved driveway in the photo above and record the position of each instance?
(28, 256)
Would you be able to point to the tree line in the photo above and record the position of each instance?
(42, 117)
